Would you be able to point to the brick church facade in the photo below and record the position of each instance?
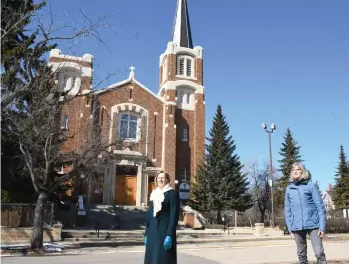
(151, 131)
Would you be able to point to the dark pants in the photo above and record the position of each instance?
(316, 241)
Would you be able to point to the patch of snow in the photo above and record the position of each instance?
(48, 247)
(53, 247)
(15, 246)
(47, 226)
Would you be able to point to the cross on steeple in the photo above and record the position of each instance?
(132, 73)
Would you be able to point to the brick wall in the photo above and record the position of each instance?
(79, 124)
(199, 131)
(185, 149)
(61, 60)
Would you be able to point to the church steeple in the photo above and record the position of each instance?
(181, 29)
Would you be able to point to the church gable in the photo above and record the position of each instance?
(130, 94)
(135, 120)
(135, 89)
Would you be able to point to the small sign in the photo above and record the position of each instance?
(184, 191)
(96, 191)
(81, 212)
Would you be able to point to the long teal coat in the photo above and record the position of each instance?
(164, 224)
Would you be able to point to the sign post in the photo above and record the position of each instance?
(184, 191)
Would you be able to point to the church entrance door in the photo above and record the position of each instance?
(125, 190)
(151, 186)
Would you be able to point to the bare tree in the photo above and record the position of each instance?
(260, 188)
(32, 107)
(43, 37)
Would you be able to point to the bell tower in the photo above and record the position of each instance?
(181, 87)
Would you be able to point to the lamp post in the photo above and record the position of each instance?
(176, 186)
(273, 128)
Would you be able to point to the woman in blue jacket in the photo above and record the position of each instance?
(305, 214)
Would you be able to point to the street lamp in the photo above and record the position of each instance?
(273, 128)
(176, 186)
(223, 219)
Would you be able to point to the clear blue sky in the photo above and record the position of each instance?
(268, 61)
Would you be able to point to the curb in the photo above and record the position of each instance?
(183, 241)
(82, 245)
(337, 261)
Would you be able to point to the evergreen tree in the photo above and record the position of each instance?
(17, 56)
(220, 184)
(21, 54)
(199, 191)
(341, 188)
(318, 186)
(290, 155)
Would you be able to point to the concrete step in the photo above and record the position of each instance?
(134, 237)
(73, 235)
(117, 217)
(137, 242)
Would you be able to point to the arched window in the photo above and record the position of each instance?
(164, 70)
(185, 66)
(185, 98)
(128, 128)
(185, 135)
(184, 174)
(69, 79)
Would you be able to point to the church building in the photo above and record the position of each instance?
(152, 131)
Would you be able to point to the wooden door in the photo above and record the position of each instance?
(151, 187)
(131, 190)
(125, 190)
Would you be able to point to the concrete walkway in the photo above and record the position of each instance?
(226, 253)
(244, 240)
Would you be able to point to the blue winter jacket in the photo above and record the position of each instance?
(304, 208)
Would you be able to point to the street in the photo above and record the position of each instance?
(273, 251)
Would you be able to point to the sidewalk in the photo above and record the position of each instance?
(75, 246)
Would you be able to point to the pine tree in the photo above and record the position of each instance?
(16, 57)
(220, 184)
(20, 49)
(199, 195)
(290, 155)
(318, 186)
(341, 188)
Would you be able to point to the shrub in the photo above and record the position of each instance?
(4, 196)
(338, 225)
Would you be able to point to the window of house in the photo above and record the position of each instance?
(184, 173)
(181, 96)
(164, 70)
(67, 80)
(185, 66)
(185, 135)
(184, 97)
(64, 79)
(189, 67)
(128, 126)
(65, 122)
(188, 98)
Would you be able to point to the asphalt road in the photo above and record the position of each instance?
(250, 252)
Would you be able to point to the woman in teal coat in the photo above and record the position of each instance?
(160, 235)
